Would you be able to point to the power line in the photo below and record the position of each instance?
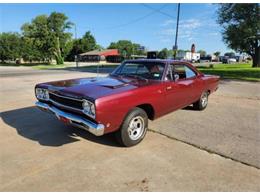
(139, 19)
(156, 10)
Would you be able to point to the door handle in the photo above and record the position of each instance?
(168, 87)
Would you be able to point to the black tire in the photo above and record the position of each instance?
(200, 104)
(126, 136)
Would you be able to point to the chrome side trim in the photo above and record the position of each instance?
(96, 129)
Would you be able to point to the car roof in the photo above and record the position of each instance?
(156, 60)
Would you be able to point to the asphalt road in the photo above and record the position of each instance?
(38, 153)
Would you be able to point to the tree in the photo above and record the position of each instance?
(57, 23)
(217, 53)
(241, 26)
(125, 47)
(138, 49)
(163, 54)
(202, 53)
(48, 35)
(84, 44)
(10, 46)
(36, 36)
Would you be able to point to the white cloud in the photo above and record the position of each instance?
(190, 24)
(186, 30)
(166, 32)
(168, 22)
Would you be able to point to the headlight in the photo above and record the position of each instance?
(89, 108)
(42, 94)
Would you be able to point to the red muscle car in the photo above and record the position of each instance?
(122, 102)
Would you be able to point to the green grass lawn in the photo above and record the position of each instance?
(53, 66)
(225, 71)
(49, 66)
(233, 71)
(34, 65)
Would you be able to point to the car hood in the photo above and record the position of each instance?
(94, 88)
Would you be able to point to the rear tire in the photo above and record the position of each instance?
(202, 103)
(133, 128)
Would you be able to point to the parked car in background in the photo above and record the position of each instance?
(232, 60)
(227, 60)
(205, 59)
(123, 102)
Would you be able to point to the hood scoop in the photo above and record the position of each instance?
(113, 86)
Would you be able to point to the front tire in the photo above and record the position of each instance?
(133, 128)
(202, 103)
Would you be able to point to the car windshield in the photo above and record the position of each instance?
(142, 70)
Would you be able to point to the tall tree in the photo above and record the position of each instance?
(10, 46)
(241, 24)
(36, 36)
(163, 54)
(127, 48)
(58, 24)
(217, 53)
(84, 44)
(48, 35)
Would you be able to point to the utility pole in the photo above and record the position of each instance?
(175, 47)
(75, 28)
(76, 56)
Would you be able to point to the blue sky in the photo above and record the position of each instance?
(152, 25)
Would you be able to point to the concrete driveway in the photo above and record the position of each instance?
(230, 125)
(38, 153)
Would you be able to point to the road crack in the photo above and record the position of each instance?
(206, 149)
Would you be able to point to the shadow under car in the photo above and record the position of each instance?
(45, 128)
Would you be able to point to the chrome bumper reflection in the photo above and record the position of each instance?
(96, 129)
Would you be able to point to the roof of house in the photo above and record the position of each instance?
(101, 52)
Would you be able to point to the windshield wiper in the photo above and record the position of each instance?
(135, 76)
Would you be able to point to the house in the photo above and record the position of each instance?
(109, 55)
(187, 55)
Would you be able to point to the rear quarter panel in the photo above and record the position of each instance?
(211, 82)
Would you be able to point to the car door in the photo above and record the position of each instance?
(179, 86)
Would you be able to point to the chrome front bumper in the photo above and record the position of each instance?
(96, 129)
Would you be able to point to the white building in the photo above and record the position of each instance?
(187, 55)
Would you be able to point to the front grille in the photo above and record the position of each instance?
(66, 101)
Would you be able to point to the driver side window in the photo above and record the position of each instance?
(180, 72)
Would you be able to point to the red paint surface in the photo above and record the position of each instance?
(115, 97)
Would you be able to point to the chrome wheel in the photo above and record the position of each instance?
(204, 100)
(136, 128)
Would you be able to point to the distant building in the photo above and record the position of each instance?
(109, 55)
(187, 55)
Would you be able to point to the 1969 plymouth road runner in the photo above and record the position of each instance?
(122, 102)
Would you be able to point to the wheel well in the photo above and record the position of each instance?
(148, 108)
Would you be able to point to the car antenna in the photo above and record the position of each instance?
(98, 70)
